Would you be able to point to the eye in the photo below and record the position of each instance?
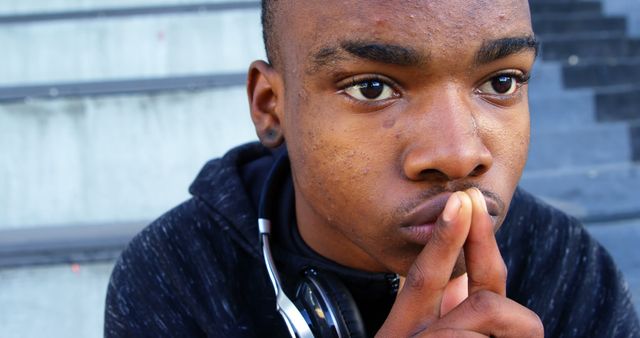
(502, 84)
(370, 90)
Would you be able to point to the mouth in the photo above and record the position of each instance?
(421, 223)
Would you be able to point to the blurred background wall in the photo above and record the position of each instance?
(109, 108)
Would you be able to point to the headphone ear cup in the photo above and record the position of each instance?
(346, 306)
(323, 292)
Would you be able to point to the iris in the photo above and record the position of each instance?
(371, 89)
(502, 84)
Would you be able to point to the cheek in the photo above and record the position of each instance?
(519, 141)
(338, 164)
(330, 171)
(509, 144)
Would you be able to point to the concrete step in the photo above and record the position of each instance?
(577, 146)
(590, 192)
(635, 142)
(30, 7)
(35, 295)
(587, 48)
(546, 77)
(105, 159)
(583, 35)
(618, 105)
(621, 239)
(542, 7)
(629, 9)
(130, 47)
(612, 72)
(585, 24)
(561, 112)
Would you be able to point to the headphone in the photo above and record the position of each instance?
(322, 306)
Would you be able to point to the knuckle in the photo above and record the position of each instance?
(483, 303)
(442, 238)
(415, 277)
(474, 284)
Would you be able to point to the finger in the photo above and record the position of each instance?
(419, 301)
(451, 333)
(484, 263)
(493, 315)
(454, 293)
(400, 283)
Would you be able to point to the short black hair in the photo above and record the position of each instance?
(267, 18)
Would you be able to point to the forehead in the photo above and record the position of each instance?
(442, 27)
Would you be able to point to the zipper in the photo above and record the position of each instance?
(394, 282)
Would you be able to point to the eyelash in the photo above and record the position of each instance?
(360, 79)
(356, 80)
(521, 79)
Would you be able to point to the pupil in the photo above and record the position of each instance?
(502, 84)
(371, 89)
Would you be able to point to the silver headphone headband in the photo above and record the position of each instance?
(296, 324)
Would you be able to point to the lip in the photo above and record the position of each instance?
(421, 223)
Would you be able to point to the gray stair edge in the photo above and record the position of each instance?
(46, 245)
(586, 37)
(599, 127)
(568, 37)
(118, 87)
(614, 180)
(103, 13)
(564, 17)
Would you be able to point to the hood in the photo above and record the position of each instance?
(222, 189)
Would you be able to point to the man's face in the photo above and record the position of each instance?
(390, 106)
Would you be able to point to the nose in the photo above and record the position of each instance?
(446, 141)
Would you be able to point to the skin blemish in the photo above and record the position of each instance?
(388, 123)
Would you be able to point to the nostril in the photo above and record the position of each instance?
(432, 175)
(479, 170)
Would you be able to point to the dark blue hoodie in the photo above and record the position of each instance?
(198, 271)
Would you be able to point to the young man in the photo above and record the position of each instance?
(393, 136)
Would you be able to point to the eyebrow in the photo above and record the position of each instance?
(492, 50)
(372, 51)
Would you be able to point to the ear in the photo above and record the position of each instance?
(265, 88)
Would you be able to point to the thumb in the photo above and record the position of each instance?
(454, 293)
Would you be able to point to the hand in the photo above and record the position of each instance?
(427, 305)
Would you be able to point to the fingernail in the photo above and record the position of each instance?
(452, 208)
